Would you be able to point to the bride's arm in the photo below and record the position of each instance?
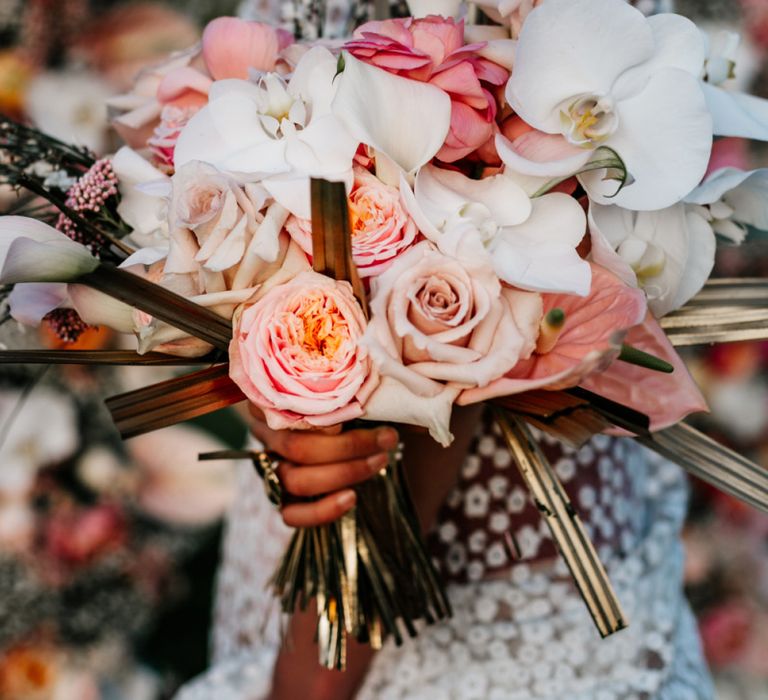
(432, 471)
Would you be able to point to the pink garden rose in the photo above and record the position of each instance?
(381, 228)
(432, 50)
(438, 320)
(589, 340)
(295, 353)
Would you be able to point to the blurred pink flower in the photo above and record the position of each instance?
(77, 537)
(432, 50)
(232, 46)
(725, 632)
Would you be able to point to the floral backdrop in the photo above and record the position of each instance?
(108, 551)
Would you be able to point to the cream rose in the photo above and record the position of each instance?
(296, 353)
(381, 228)
(438, 321)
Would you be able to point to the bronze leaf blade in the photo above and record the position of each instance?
(161, 303)
(711, 462)
(98, 357)
(567, 529)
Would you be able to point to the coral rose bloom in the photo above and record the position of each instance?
(295, 353)
(381, 228)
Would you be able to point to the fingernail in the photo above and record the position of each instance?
(346, 500)
(387, 438)
(377, 461)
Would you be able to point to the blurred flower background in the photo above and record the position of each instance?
(108, 550)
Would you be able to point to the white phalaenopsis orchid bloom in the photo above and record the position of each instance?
(722, 52)
(273, 128)
(732, 199)
(591, 73)
(388, 113)
(668, 253)
(530, 243)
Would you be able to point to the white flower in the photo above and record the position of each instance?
(669, 253)
(732, 199)
(722, 50)
(597, 73)
(273, 129)
(70, 106)
(144, 192)
(31, 251)
(530, 244)
(404, 119)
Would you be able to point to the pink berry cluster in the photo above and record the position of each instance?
(87, 196)
(66, 324)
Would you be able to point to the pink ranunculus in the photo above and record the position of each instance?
(432, 50)
(295, 353)
(590, 339)
(381, 228)
(232, 46)
(438, 320)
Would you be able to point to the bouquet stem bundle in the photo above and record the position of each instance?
(369, 571)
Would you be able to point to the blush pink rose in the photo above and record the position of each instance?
(437, 320)
(590, 339)
(295, 353)
(381, 228)
(432, 50)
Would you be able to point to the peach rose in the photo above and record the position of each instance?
(440, 320)
(381, 229)
(296, 353)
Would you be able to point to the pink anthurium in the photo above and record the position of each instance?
(589, 339)
(664, 398)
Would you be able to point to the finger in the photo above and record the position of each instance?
(316, 480)
(303, 447)
(320, 512)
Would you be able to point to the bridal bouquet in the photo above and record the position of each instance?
(428, 214)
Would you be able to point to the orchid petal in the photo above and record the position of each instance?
(570, 39)
(145, 213)
(699, 261)
(424, 8)
(540, 254)
(538, 154)
(746, 192)
(29, 302)
(442, 193)
(387, 111)
(681, 131)
(737, 114)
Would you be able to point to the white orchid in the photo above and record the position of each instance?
(592, 73)
(670, 253)
(273, 130)
(732, 199)
(530, 243)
